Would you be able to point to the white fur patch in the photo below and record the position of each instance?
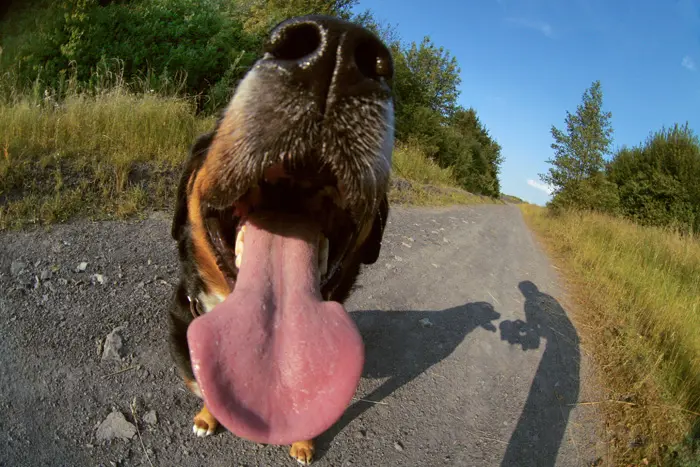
(209, 301)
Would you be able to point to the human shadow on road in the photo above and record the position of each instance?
(555, 387)
(400, 345)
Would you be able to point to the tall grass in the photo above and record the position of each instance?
(420, 181)
(101, 154)
(640, 293)
(411, 162)
(114, 149)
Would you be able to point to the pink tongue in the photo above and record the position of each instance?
(275, 363)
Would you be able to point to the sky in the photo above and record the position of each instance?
(525, 63)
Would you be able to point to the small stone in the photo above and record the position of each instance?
(81, 267)
(150, 417)
(17, 267)
(112, 349)
(45, 275)
(426, 323)
(99, 278)
(398, 446)
(359, 434)
(115, 426)
(637, 442)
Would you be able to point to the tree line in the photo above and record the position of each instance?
(202, 48)
(654, 183)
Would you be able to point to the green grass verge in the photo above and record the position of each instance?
(117, 154)
(638, 290)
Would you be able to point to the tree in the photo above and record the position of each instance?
(261, 15)
(579, 153)
(436, 74)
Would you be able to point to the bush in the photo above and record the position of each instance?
(658, 181)
(199, 39)
(591, 194)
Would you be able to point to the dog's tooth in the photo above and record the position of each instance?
(323, 256)
(238, 250)
(239, 260)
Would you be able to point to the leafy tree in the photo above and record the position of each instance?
(434, 77)
(261, 15)
(579, 152)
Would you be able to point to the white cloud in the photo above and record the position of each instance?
(541, 186)
(688, 63)
(540, 26)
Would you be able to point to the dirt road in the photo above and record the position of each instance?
(471, 358)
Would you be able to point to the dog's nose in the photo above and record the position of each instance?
(330, 57)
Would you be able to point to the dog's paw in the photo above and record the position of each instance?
(204, 423)
(303, 451)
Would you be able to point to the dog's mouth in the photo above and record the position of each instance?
(309, 195)
(275, 362)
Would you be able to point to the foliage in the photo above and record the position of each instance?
(197, 39)
(261, 15)
(203, 48)
(658, 180)
(579, 153)
(595, 193)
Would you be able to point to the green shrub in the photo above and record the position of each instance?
(591, 194)
(658, 180)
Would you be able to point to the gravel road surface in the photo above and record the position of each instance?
(471, 357)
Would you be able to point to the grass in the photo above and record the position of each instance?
(638, 293)
(105, 156)
(115, 153)
(418, 180)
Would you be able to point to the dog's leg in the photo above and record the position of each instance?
(303, 451)
(204, 423)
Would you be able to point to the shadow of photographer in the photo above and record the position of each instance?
(555, 387)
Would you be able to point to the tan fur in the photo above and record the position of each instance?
(303, 451)
(205, 420)
(213, 278)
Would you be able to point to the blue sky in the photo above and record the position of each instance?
(524, 63)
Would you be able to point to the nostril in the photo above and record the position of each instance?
(372, 60)
(295, 42)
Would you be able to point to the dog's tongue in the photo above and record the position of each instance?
(275, 363)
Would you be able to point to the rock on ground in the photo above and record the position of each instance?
(115, 426)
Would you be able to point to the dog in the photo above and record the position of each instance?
(277, 210)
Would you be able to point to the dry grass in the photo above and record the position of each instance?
(419, 181)
(105, 156)
(115, 153)
(638, 290)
